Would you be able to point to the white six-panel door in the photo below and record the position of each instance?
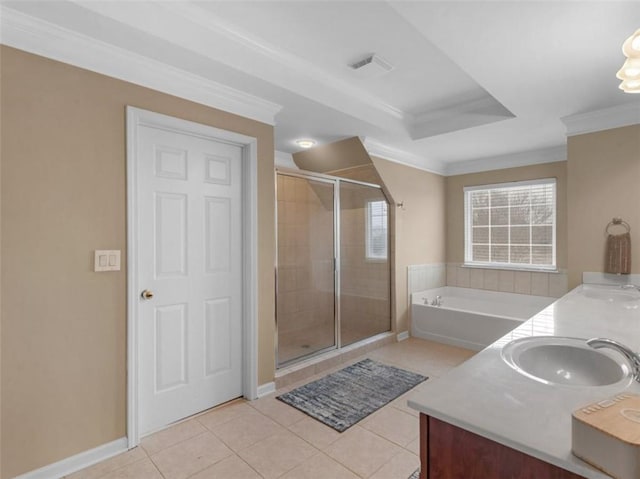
(190, 262)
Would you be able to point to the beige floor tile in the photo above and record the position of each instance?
(392, 424)
(202, 445)
(172, 435)
(414, 446)
(230, 468)
(399, 467)
(401, 403)
(224, 413)
(102, 468)
(143, 469)
(277, 410)
(277, 454)
(296, 375)
(447, 352)
(315, 433)
(190, 456)
(417, 352)
(362, 451)
(320, 466)
(247, 429)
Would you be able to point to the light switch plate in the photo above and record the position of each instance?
(106, 260)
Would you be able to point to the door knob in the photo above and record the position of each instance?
(146, 294)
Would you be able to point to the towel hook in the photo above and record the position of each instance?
(618, 221)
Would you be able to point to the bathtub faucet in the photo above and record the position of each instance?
(633, 358)
(437, 301)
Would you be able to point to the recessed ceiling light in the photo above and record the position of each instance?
(306, 143)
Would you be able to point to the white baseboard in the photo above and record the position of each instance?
(403, 335)
(265, 389)
(79, 461)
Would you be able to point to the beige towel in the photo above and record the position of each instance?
(618, 260)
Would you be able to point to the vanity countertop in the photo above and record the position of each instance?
(487, 397)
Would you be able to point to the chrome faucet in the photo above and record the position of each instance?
(633, 358)
(437, 301)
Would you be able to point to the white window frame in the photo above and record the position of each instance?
(369, 254)
(468, 227)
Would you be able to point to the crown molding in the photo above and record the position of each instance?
(375, 148)
(42, 38)
(605, 119)
(196, 29)
(306, 69)
(514, 160)
(478, 106)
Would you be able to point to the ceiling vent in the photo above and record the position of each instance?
(371, 66)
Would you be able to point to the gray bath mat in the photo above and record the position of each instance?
(415, 475)
(343, 398)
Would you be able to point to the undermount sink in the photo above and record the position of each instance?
(564, 361)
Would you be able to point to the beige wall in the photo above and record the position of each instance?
(604, 182)
(63, 196)
(419, 227)
(455, 203)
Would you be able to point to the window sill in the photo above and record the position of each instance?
(376, 260)
(511, 268)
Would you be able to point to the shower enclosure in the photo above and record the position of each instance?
(332, 268)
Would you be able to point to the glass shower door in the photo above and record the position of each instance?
(365, 293)
(305, 279)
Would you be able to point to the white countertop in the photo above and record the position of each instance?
(487, 397)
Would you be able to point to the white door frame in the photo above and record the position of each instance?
(136, 118)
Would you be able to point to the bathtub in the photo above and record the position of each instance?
(471, 318)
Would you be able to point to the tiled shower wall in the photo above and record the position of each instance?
(365, 298)
(305, 282)
(305, 266)
(427, 276)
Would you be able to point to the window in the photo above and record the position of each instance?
(511, 225)
(376, 230)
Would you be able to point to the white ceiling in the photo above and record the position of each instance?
(474, 83)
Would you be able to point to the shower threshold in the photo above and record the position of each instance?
(321, 362)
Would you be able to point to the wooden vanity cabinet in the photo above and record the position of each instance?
(449, 452)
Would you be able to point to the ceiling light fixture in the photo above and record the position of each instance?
(630, 71)
(306, 143)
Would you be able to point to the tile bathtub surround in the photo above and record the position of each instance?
(268, 439)
(426, 276)
(537, 283)
(608, 278)
(506, 281)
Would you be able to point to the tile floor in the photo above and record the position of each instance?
(268, 439)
